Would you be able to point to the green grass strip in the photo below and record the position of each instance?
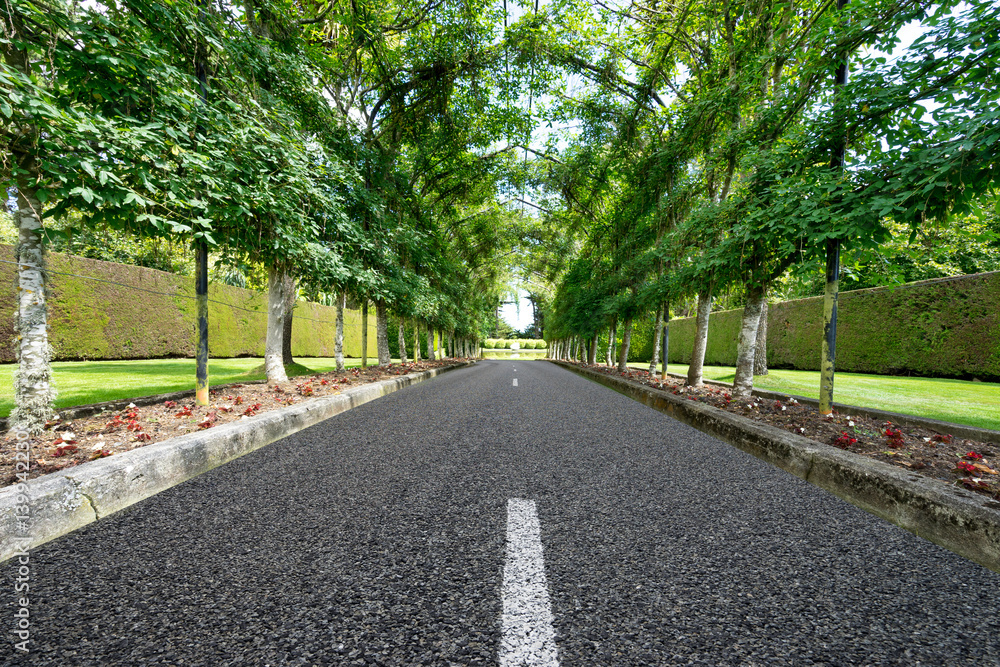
(85, 382)
(955, 401)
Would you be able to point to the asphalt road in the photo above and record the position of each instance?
(378, 537)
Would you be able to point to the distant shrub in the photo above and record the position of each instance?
(490, 344)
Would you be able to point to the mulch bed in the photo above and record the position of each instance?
(934, 454)
(64, 444)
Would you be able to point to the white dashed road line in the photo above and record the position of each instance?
(528, 640)
(515, 382)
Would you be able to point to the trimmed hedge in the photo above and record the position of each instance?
(153, 314)
(505, 343)
(944, 327)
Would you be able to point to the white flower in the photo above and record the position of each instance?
(927, 439)
(850, 422)
(132, 405)
(783, 408)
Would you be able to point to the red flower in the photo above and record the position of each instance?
(974, 456)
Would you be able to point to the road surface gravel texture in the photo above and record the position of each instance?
(378, 538)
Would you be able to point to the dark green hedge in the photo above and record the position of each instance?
(945, 327)
(151, 314)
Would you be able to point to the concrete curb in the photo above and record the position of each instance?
(935, 425)
(959, 520)
(62, 502)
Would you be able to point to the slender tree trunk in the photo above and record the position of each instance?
(34, 394)
(286, 337)
(760, 352)
(430, 344)
(382, 333)
(612, 335)
(743, 382)
(364, 333)
(695, 377)
(201, 302)
(402, 342)
(657, 333)
(626, 344)
(592, 359)
(416, 341)
(828, 360)
(338, 346)
(274, 365)
(666, 340)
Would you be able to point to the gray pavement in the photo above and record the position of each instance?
(378, 538)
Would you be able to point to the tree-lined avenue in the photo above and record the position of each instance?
(380, 537)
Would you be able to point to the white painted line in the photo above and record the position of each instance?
(515, 382)
(528, 640)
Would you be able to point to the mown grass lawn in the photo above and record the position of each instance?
(957, 401)
(84, 382)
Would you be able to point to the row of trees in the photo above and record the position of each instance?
(341, 147)
(723, 147)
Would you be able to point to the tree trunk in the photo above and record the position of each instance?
(760, 352)
(286, 338)
(612, 334)
(382, 333)
(364, 334)
(592, 359)
(338, 345)
(743, 382)
(430, 343)
(274, 365)
(626, 344)
(666, 340)
(34, 394)
(695, 378)
(416, 341)
(402, 342)
(657, 334)
(201, 304)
